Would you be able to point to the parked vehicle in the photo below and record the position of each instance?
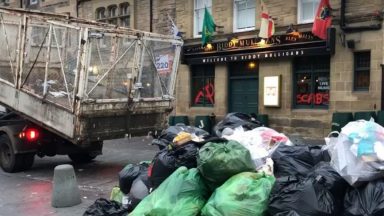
(68, 84)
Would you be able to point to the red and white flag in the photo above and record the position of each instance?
(267, 27)
(323, 20)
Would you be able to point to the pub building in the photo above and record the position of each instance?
(297, 79)
(246, 64)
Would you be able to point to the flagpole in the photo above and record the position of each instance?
(170, 18)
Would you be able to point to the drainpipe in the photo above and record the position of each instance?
(21, 3)
(78, 2)
(150, 15)
(354, 28)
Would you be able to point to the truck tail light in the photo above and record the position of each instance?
(30, 134)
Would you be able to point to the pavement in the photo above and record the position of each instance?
(29, 192)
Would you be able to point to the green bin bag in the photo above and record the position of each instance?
(182, 194)
(116, 195)
(218, 161)
(245, 194)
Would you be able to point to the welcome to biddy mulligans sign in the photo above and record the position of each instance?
(289, 45)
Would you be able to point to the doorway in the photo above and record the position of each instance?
(243, 87)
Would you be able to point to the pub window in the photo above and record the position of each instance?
(244, 15)
(311, 82)
(203, 85)
(199, 15)
(362, 66)
(306, 10)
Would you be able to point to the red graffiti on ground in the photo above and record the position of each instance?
(209, 93)
(318, 98)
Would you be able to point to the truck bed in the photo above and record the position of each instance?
(83, 80)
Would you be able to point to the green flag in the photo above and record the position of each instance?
(208, 28)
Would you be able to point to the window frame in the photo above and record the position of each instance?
(124, 13)
(98, 10)
(124, 9)
(195, 22)
(313, 73)
(357, 69)
(235, 14)
(208, 68)
(299, 11)
(110, 8)
(112, 18)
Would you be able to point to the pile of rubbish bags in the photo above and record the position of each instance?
(247, 169)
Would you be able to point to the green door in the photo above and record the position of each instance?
(243, 95)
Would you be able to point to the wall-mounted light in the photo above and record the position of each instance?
(234, 40)
(292, 31)
(251, 65)
(209, 46)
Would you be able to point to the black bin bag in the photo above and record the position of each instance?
(287, 213)
(139, 189)
(306, 197)
(104, 207)
(319, 193)
(166, 137)
(128, 174)
(167, 161)
(365, 200)
(332, 181)
(234, 120)
(297, 160)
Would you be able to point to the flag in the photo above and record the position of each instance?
(267, 27)
(209, 27)
(322, 20)
(175, 31)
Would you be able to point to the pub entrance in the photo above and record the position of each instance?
(243, 87)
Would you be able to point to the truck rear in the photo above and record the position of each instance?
(68, 84)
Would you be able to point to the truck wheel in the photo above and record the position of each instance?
(81, 157)
(11, 162)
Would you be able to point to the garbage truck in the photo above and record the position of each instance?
(67, 84)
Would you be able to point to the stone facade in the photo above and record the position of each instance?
(307, 122)
(88, 9)
(53, 6)
(10, 3)
(152, 15)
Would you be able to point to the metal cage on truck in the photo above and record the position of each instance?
(85, 81)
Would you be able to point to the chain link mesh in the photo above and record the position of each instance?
(57, 83)
(157, 68)
(111, 62)
(52, 51)
(9, 39)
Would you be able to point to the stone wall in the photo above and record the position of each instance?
(311, 123)
(87, 9)
(142, 21)
(306, 122)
